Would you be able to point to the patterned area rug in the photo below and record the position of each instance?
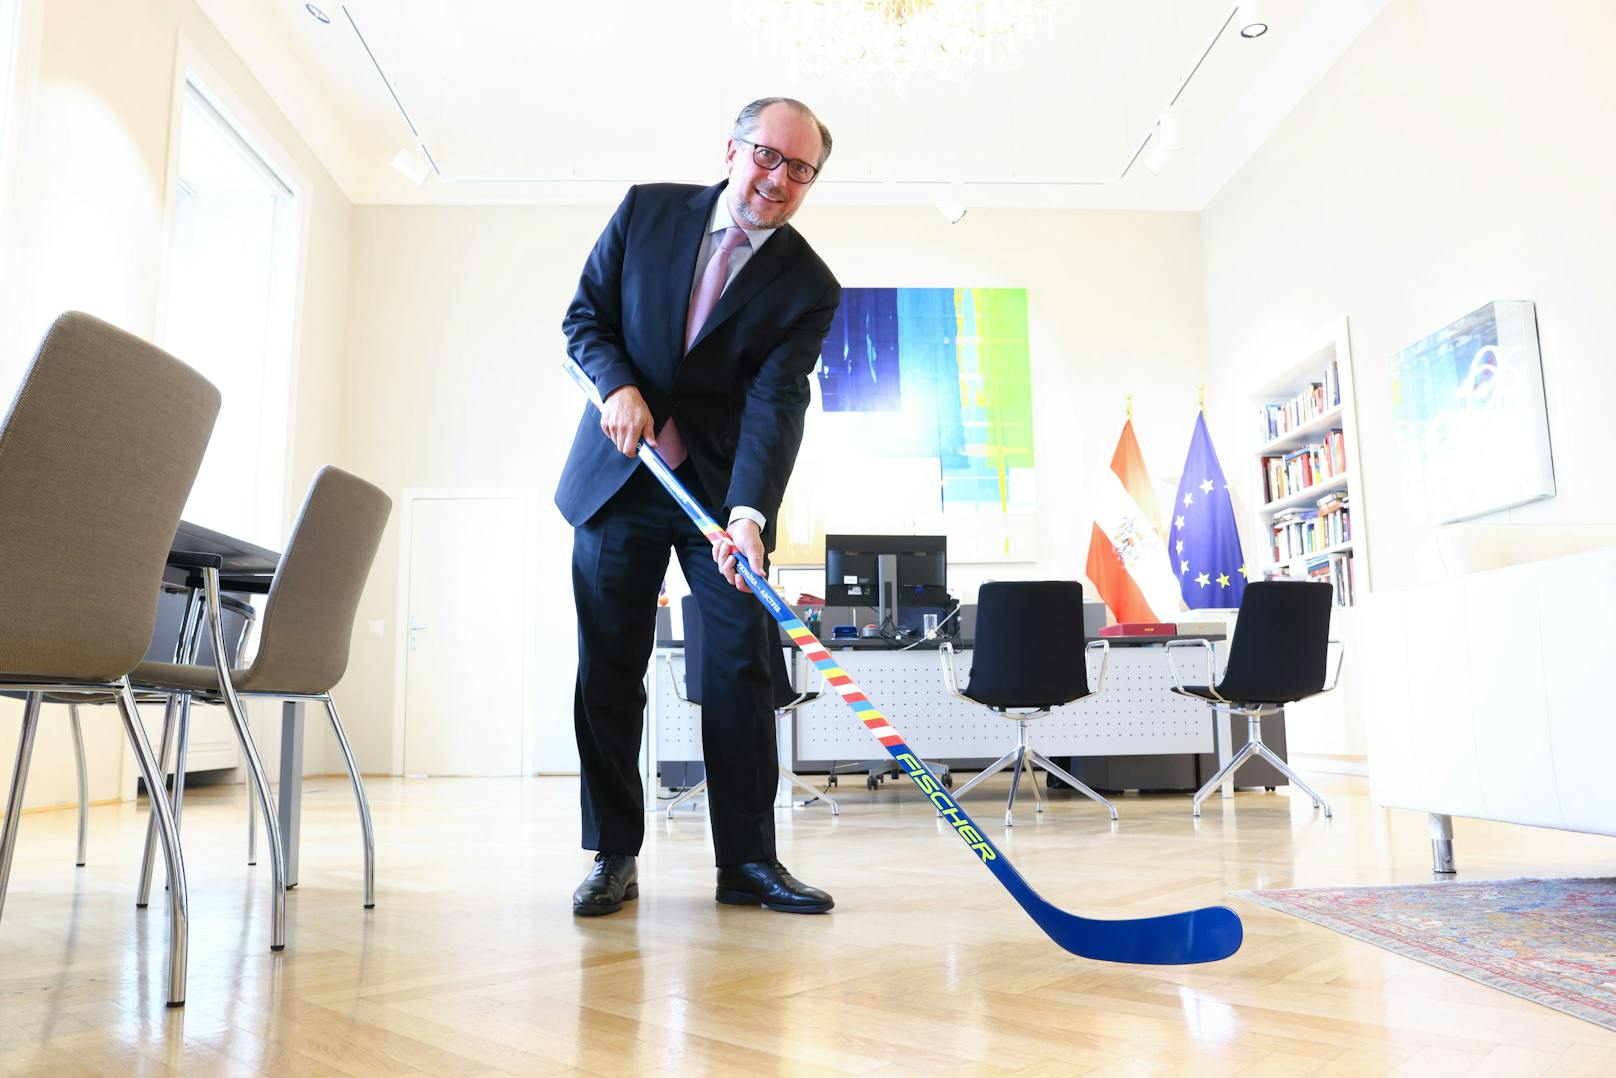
(1550, 941)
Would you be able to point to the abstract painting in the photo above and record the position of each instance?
(922, 425)
(1472, 422)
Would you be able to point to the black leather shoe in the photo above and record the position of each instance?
(768, 884)
(612, 881)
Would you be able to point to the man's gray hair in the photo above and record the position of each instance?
(746, 123)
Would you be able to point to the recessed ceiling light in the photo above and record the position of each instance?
(317, 13)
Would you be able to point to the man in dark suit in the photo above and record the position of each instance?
(699, 316)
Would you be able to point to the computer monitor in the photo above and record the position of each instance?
(902, 576)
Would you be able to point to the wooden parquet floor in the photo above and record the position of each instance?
(473, 965)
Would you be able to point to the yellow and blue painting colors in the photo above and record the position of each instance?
(927, 393)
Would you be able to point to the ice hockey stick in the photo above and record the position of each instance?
(1203, 935)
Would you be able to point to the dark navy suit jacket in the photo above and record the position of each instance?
(741, 393)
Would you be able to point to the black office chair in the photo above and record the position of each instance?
(1278, 655)
(1028, 658)
(786, 700)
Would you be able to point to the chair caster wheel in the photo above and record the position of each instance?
(948, 779)
(871, 783)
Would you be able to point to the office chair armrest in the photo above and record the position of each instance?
(1105, 660)
(945, 655)
(1335, 675)
(191, 559)
(667, 660)
(1178, 680)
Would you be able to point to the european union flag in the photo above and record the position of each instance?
(1204, 545)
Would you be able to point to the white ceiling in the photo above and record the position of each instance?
(566, 103)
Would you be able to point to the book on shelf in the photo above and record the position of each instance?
(1335, 519)
(1299, 531)
(1281, 417)
(1287, 473)
(1332, 569)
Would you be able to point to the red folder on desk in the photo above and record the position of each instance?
(1141, 628)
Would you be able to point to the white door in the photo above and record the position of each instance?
(463, 627)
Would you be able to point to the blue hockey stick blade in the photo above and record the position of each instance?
(1174, 939)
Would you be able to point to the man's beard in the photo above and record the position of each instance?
(741, 208)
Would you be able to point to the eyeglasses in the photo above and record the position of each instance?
(769, 158)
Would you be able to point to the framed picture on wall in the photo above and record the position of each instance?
(922, 425)
(1471, 418)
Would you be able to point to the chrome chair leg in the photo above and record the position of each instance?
(19, 782)
(1032, 780)
(1296, 780)
(690, 794)
(814, 794)
(359, 796)
(84, 783)
(992, 769)
(1247, 751)
(178, 905)
(1065, 776)
(1015, 784)
(182, 746)
(252, 813)
(170, 711)
(238, 719)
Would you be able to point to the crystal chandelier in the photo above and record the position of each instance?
(899, 37)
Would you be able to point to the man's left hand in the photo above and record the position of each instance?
(745, 540)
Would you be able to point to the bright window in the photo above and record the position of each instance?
(232, 271)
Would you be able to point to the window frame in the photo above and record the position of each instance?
(193, 74)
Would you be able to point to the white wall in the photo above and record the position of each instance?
(84, 228)
(1458, 153)
(453, 378)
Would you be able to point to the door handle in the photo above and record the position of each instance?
(415, 627)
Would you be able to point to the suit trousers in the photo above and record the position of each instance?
(619, 559)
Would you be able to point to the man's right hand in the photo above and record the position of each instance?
(626, 420)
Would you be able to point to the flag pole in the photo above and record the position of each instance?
(1130, 407)
(1203, 396)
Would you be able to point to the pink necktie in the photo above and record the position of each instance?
(669, 444)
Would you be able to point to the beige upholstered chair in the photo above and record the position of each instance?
(97, 457)
(303, 641)
(178, 629)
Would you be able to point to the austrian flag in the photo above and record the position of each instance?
(1127, 560)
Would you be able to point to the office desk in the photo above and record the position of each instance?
(1135, 715)
(241, 558)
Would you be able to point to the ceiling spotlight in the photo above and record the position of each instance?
(412, 165)
(1169, 132)
(950, 202)
(1249, 17)
(317, 13)
(1156, 157)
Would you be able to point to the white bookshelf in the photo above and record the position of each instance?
(1306, 367)
(1326, 731)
